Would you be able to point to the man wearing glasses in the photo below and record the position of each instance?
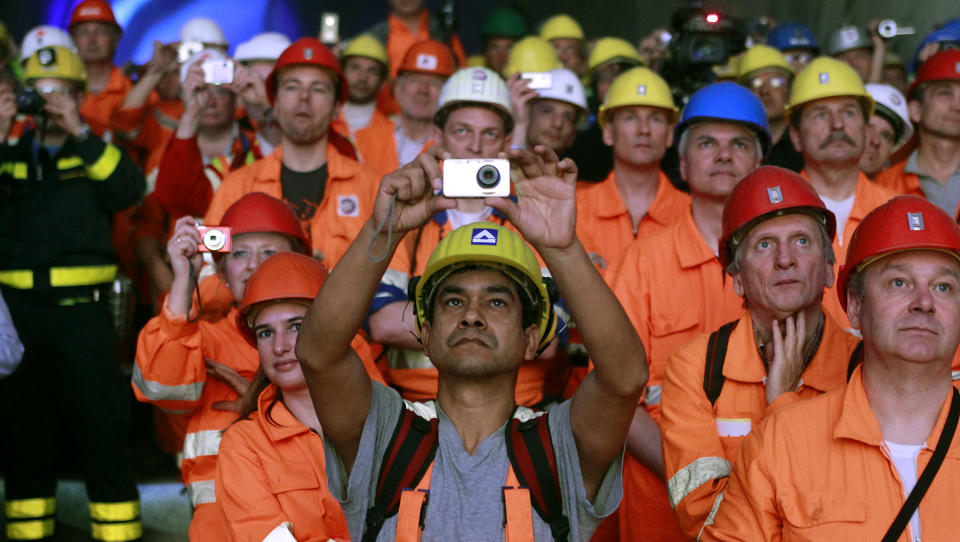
(766, 72)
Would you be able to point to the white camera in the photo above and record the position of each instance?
(476, 178)
(217, 72)
(538, 80)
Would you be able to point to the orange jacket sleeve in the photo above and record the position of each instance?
(182, 186)
(696, 466)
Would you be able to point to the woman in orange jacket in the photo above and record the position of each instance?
(271, 482)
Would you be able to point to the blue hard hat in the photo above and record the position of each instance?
(792, 36)
(726, 102)
(947, 33)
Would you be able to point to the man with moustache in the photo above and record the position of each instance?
(828, 112)
(671, 283)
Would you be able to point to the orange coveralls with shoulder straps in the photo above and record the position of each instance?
(700, 439)
(346, 206)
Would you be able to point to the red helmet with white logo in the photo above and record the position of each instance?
(768, 192)
(257, 212)
(430, 57)
(903, 223)
(307, 52)
(942, 66)
(93, 10)
(283, 277)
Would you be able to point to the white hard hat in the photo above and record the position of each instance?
(203, 30)
(44, 36)
(264, 46)
(480, 86)
(890, 99)
(566, 87)
(206, 54)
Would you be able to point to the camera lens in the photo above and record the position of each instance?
(488, 176)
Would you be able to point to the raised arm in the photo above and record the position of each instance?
(545, 213)
(338, 382)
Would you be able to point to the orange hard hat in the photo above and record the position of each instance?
(307, 52)
(93, 10)
(285, 276)
(768, 192)
(430, 57)
(903, 223)
(944, 65)
(257, 212)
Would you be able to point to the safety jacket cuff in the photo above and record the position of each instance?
(178, 326)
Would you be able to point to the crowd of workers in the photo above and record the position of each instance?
(729, 317)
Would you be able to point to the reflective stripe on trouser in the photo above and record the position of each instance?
(30, 519)
(694, 475)
(115, 521)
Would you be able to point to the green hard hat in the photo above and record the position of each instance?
(506, 22)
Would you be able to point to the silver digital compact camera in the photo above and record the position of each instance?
(476, 178)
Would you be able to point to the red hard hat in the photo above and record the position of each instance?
(430, 57)
(285, 276)
(903, 223)
(768, 192)
(944, 65)
(257, 212)
(307, 52)
(93, 10)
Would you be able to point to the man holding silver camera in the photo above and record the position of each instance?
(59, 187)
(474, 121)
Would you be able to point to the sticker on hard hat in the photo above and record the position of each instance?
(895, 99)
(426, 62)
(799, 39)
(774, 195)
(849, 35)
(641, 90)
(824, 78)
(89, 11)
(348, 206)
(484, 236)
(479, 75)
(47, 57)
(308, 53)
(915, 221)
(569, 89)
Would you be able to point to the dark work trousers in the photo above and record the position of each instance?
(69, 374)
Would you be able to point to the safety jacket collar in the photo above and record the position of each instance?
(339, 167)
(399, 27)
(281, 424)
(117, 84)
(858, 422)
(864, 200)
(691, 248)
(609, 204)
(746, 365)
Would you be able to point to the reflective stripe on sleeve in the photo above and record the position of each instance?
(202, 492)
(17, 169)
(694, 475)
(21, 280)
(156, 391)
(114, 511)
(955, 375)
(105, 165)
(117, 532)
(711, 515)
(201, 443)
(69, 162)
(31, 508)
(30, 530)
(83, 275)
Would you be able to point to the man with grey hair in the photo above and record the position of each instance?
(777, 247)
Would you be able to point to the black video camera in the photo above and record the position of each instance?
(30, 101)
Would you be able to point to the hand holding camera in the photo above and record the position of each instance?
(183, 248)
(408, 196)
(64, 111)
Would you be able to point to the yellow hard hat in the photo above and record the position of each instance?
(487, 245)
(55, 62)
(561, 26)
(826, 77)
(476, 61)
(637, 86)
(610, 49)
(728, 71)
(531, 54)
(763, 57)
(367, 46)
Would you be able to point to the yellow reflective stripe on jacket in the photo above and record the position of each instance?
(105, 165)
(69, 162)
(30, 530)
(83, 275)
(17, 169)
(694, 475)
(217, 164)
(114, 511)
(117, 532)
(21, 280)
(31, 508)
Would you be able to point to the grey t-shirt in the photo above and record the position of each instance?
(466, 499)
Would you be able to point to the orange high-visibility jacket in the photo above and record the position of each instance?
(377, 145)
(97, 109)
(897, 179)
(346, 206)
(148, 127)
(604, 225)
(700, 440)
(819, 470)
(271, 479)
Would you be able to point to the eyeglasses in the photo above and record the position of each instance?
(773, 82)
(801, 57)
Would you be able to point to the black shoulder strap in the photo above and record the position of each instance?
(531, 454)
(409, 454)
(855, 358)
(716, 355)
(929, 472)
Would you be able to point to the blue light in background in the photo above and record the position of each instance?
(144, 21)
